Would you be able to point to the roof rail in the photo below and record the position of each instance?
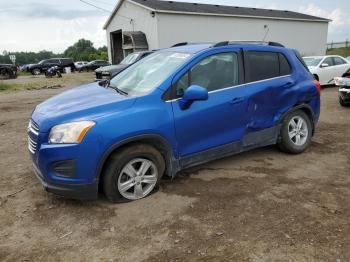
(180, 44)
(191, 43)
(226, 43)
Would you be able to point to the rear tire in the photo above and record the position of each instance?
(342, 103)
(296, 133)
(4, 74)
(132, 173)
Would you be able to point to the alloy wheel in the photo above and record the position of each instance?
(137, 179)
(298, 131)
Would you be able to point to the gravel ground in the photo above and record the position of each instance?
(261, 205)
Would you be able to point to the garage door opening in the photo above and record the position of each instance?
(117, 47)
(126, 42)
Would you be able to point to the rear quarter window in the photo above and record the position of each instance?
(261, 66)
(285, 68)
(265, 65)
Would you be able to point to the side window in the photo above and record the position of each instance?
(329, 61)
(182, 84)
(213, 73)
(338, 61)
(285, 68)
(261, 65)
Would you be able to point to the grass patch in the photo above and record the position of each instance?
(17, 86)
(41, 82)
(4, 86)
(343, 51)
(23, 73)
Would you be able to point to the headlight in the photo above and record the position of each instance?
(73, 132)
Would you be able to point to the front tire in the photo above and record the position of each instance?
(36, 72)
(132, 173)
(296, 133)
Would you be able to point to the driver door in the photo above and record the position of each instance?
(329, 72)
(211, 126)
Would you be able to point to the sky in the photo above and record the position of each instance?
(34, 25)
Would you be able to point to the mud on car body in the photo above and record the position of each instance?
(177, 108)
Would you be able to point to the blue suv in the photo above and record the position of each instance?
(177, 108)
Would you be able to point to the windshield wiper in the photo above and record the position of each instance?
(122, 92)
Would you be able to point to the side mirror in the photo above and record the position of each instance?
(193, 93)
(324, 65)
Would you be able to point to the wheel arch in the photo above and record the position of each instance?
(316, 77)
(157, 141)
(306, 109)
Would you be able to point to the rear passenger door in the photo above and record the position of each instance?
(268, 83)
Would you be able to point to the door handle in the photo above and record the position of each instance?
(288, 84)
(237, 100)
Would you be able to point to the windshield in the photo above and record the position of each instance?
(312, 61)
(149, 73)
(42, 61)
(130, 59)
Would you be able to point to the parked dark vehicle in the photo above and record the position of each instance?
(8, 71)
(42, 66)
(93, 65)
(108, 72)
(53, 71)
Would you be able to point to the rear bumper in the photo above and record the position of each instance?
(75, 191)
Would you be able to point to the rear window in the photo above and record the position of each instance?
(265, 65)
(66, 60)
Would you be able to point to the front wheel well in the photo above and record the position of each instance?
(158, 143)
(316, 77)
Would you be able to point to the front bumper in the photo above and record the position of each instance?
(65, 169)
(75, 191)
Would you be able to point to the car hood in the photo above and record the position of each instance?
(86, 102)
(111, 69)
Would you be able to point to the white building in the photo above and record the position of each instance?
(153, 24)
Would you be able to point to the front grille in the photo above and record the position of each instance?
(33, 127)
(32, 145)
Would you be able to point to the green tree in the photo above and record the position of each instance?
(81, 50)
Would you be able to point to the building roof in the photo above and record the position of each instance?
(217, 10)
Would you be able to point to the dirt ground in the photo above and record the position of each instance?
(258, 206)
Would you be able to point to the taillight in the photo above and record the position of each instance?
(317, 85)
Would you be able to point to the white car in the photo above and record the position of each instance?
(325, 68)
(79, 64)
